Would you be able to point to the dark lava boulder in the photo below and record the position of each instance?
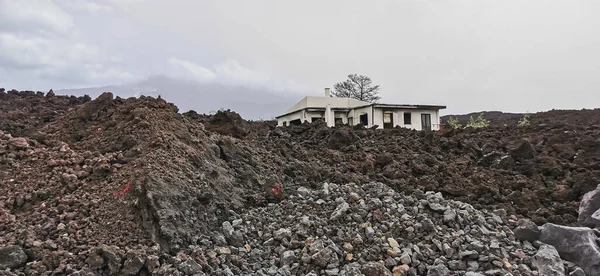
(12, 256)
(524, 151)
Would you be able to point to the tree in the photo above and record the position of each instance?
(358, 87)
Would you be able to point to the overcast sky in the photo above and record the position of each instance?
(509, 55)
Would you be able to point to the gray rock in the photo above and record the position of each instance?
(437, 207)
(438, 270)
(405, 258)
(283, 233)
(471, 254)
(133, 265)
(339, 211)
(548, 262)
(227, 229)
(303, 191)
(449, 215)
(590, 203)
(472, 265)
(288, 258)
(574, 244)
(332, 271)
(390, 262)
(12, 256)
(322, 257)
(236, 239)
(236, 222)
(190, 267)
(526, 230)
(375, 269)
(351, 269)
(152, 263)
(369, 232)
(471, 273)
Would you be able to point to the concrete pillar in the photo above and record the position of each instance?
(329, 118)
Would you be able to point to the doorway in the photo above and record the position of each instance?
(388, 120)
(364, 119)
(426, 121)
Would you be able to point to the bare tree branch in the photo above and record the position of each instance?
(357, 87)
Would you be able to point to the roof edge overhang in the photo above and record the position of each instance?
(314, 109)
(411, 106)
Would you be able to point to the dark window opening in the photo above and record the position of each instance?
(364, 119)
(338, 121)
(284, 123)
(314, 119)
(407, 119)
(295, 122)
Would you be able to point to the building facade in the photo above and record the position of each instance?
(352, 112)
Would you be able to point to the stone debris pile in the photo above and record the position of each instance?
(370, 229)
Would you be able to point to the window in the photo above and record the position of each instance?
(338, 121)
(407, 118)
(387, 118)
(364, 119)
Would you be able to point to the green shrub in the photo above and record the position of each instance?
(453, 123)
(524, 121)
(480, 122)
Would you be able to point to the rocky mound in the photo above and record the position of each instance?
(116, 186)
(118, 176)
(540, 172)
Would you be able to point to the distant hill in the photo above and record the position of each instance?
(250, 103)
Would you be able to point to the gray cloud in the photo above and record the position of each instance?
(469, 55)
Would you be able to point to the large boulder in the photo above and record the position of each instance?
(524, 151)
(548, 262)
(590, 203)
(574, 244)
(526, 230)
(12, 256)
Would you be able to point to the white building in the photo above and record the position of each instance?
(335, 110)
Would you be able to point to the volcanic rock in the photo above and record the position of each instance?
(12, 257)
(575, 244)
(548, 262)
(590, 203)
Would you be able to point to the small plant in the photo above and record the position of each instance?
(480, 122)
(524, 121)
(453, 123)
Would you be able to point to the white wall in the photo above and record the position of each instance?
(375, 116)
(398, 118)
(291, 117)
(355, 114)
(378, 117)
